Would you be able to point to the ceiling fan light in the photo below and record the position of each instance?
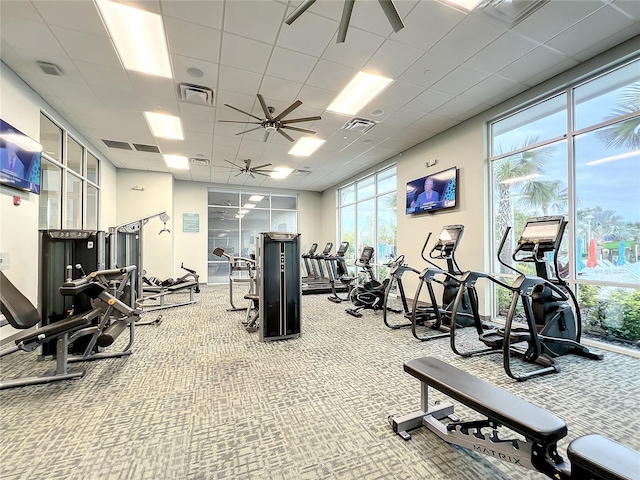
(281, 172)
(361, 90)
(164, 126)
(139, 38)
(177, 162)
(306, 146)
(270, 128)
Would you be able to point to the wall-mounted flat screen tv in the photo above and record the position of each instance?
(19, 159)
(433, 192)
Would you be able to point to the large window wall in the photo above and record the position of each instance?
(70, 180)
(236, 218)
(367, 216)
(577, 153)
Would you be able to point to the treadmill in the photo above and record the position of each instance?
(321, 283)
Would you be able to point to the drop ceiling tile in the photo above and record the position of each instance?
(70, 90)
(258, 20)
(238, 100)
(152, 6)
(231, 142)
(413, 135)
(82, 16)
(435, 123)
(104, 77)
(429, 101)
(208, 14)
(156, 89)
(552, 72)
(355, 51)
(461, 108)
(501, 52)
(316, 97)
(331, 76)
(308, 34)
(428, 70)
(280, 90)
(488, 88)
(27, 63)
(553, 18)
(376, 106)
(629, 7)
(466, 39)
(239, 81)
(427, 23)
(181, 64)
(399, 93)
(244, 53)
(290, 65)
(29, 35)
(461, 79)
(507, 94)
(197, 126)
(228, 129)
(196, 112)
(87, 47)
(24, 10)
(392, 59)
(401, 119)
(610, 42)
(369, 16)
(192, 40)
(596, 27)
(530, 64)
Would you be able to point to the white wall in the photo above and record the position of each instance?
(157, 197)
(20, 106)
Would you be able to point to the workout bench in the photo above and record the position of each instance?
(591, 457)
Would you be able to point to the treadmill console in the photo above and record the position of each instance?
(342, 250)
(327, 249)
(366, 256)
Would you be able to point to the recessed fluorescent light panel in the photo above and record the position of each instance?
(281, 172)
(464, 5)
(306, 146)
(139, 38)
(361, 90)
(165, 126)
(256, 198)
(177, 162)
(249, 206)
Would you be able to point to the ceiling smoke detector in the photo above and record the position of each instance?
(196, 94)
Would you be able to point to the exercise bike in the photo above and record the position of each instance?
(553, 324)
(439, 317)
(371, 294)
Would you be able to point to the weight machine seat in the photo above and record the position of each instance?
(171, 288)
(495, 403)
(56, 329)
(599, 457)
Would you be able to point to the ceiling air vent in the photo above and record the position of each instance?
(301, 172)
(146, 148)
(116, 144)
(196, 94)
(509, 12)
(200, 161)
(49, 68)
(359, 125)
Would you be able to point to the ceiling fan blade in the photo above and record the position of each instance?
(264, 173)
(266, 135)
(252, 175)
(298, 11)
(235, 165)
(285, 135)
(288, 110)
(344, 21)
(265, 109)
(298, 129)
(247, 131)
(262, 166)
(305, 119)
(242, 111)
(237, 121)
(238, 174)
(392, 14)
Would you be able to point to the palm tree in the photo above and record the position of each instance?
(624, 134)
(545, 195)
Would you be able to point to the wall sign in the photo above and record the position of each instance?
(191, 222)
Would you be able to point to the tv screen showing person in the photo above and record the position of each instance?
(432, 192)
(19, 159)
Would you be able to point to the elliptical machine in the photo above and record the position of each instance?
(370, 295)
(439, 317)
(553, 321)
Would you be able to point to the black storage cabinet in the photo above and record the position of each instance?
(279, 285)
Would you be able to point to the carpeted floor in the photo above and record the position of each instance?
(201, 398)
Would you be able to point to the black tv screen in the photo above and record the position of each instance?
(19, 159)
(432, 192)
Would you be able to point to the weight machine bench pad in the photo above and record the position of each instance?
(595, 456)
(495, 403)
(56, 329)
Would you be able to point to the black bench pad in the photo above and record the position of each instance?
(170, 288)
(56, 329)
(495, 403)
(603, 458)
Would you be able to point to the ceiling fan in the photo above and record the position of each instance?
(248, 169)
(274, 124)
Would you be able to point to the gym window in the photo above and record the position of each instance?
(577, 153)
(70, 180)
(367, 216)
(236, 218)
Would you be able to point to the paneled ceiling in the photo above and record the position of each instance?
(447, 65)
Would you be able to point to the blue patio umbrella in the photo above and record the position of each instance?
(621, 258)
(581, 264)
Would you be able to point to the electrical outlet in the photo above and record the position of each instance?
(4, 260)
